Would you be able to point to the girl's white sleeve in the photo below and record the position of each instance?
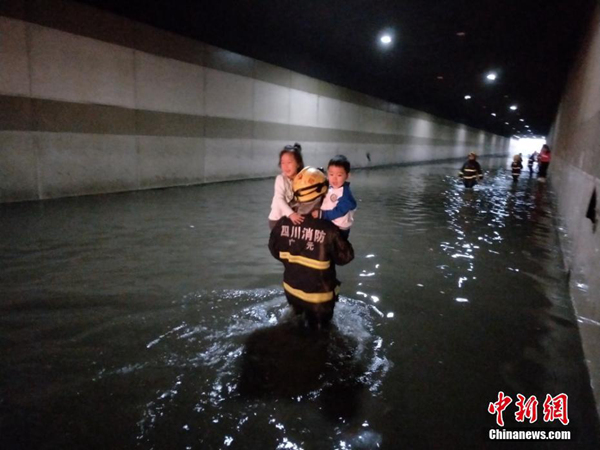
(279, 202)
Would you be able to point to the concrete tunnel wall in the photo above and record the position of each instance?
(91, 102)
(575, 174)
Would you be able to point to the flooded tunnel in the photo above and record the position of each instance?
(141, 307)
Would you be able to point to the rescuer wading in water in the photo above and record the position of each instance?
(310, 251)
(470, 172)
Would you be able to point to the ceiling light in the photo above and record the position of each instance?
(491, 76)
(494, 114)
(526, 126)
(386, 39)
(461, 34)
(522, 120)
(506, 123)
(467, 97)
(513, 107)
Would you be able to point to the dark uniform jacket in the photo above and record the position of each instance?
(309, 253)
(471, 170)
(516, 168)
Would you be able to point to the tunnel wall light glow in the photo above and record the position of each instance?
(513, 107)
(386, 39)
(491, 76)
(467, 97)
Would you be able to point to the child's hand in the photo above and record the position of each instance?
(315, 214)
(296, 218)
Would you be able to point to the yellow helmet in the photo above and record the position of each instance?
(309, 184)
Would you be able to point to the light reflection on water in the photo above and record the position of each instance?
(155, 319)
(260, 367)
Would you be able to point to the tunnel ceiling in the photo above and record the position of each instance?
(441, 50)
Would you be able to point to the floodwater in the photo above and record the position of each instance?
(156, 320)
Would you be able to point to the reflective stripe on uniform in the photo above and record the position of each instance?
(317, 297)
(304, 261)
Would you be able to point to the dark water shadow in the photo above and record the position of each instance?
(291, 361)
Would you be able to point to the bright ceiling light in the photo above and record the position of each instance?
(491, 76)
(522, 120)
(513, 107)
(494, 114)
(526, 126)
(467, 97)
(506, 123)
(386, 39)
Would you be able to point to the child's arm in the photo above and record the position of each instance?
(279, 202)
(345, 204)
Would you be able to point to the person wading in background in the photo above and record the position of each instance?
(532, 159)
(543, 162)
(516, 167)
(470, 172)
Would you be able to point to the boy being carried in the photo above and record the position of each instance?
(339, 203)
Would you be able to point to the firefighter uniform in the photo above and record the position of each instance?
(516, 168)
(309, 253)
(470, 172)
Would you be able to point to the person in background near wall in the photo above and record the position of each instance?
(532, 159)
(470, 172)
(290, 163)
(516, 167)
(543, 162)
